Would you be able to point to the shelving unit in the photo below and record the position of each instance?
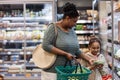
(109, 26)
(22, 24)
(116, 46)
(84, 29)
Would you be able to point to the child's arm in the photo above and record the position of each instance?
(86, 64)
(104, 69)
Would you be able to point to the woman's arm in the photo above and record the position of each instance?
(48, 41)
(86, 64)
(87, 58)
(57, 51)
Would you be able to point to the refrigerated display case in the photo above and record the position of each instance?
(109, 19)
(22, 24)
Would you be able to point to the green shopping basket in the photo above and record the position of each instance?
(76, 72)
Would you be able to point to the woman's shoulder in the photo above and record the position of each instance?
(50, 27)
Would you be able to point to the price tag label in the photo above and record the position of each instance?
(13, 75)
(27, 75)
(8, 28)
(28, 52)
(9, 52)
(11, 40)
(35, 75)
(21, 53)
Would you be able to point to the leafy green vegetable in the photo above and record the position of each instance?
(79, 71)
(98, 62)
(79, 27)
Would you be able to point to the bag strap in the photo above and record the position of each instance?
(56, 33)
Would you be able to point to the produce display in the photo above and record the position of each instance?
(86, 27)
(79, 27)
(79, 71)
(2, 34)
(20, 35)
(84, 71)
(36, 34)
(117, 54)
(118, 73)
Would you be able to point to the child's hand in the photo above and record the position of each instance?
(99, 66)
(96, 66)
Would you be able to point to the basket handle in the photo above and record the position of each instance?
(76, 63)
(79, 65)
(68, 62)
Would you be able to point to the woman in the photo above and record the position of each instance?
(66, 44)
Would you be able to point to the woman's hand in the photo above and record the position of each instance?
(92, 67)
(91, 61)
(69, 56)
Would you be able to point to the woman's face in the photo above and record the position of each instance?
(71, 22)
(94, 48)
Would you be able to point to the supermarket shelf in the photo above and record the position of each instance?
(43, 18)
(7, 64)
(85, 31)
(27, 76)
(14, 52)
(27, 28)
(21, 78)
(83, 42)
(21, 41)
(16, 49)
(116, 77)
(86, 21)
(116, 72)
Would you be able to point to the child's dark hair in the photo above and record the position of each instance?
(69, 9)
(94, 39)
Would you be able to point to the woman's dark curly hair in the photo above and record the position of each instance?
(69, 9)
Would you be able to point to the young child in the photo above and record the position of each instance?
(100, 67)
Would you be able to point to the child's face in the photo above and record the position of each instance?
(94, 48)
